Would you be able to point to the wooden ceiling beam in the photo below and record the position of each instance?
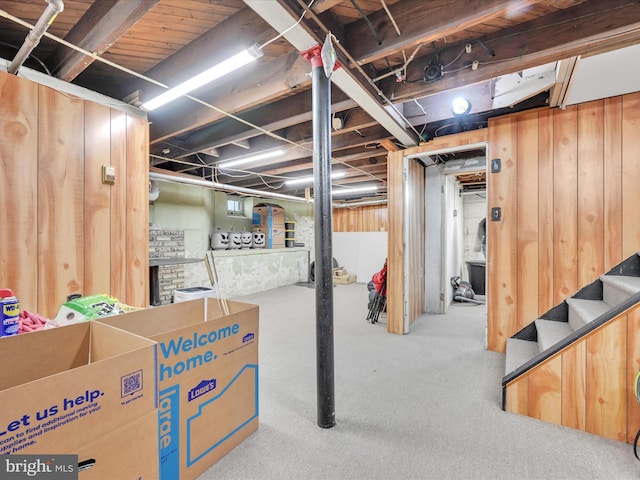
(283, 114)
(585, 28)
(293, 113)
(389, 145)
(340, 141)
(278, 115)
(99, 28)
(251, 86)
(366, 136)
(320, 6)
(351, 176)
(437, 19)
(434, 108)
(239, 31)
(361, 159)
(356, 120)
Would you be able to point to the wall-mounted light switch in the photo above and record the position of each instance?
(108, 174)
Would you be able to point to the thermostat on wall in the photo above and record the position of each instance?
(108, 174)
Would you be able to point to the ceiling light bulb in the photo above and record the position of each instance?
(239, 60)
(460, 106)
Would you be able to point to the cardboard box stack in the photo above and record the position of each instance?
(342, 277)
(269, 219)
(208, 379)
(82, 389)
(160, 393)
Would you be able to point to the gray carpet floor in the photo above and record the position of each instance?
(420, 406)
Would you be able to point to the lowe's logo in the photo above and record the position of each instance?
(205, 386)
(248, 337)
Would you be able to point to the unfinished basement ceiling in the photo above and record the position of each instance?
(407, 56)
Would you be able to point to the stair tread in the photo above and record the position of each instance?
(518, 353)
(628, 284)
(587, 310)
(551, 332)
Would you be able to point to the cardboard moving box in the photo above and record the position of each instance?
(344, 279)
(208, 379)
(266, 216)
(127, 453)
(269, 219)
(64, 388)
(339, 271)
(274, 238)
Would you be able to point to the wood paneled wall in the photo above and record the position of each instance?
(411, 191)
(62, 230)
(415, 243)
(568, 191)
(589, 385)
(395, 259)
(368, 218)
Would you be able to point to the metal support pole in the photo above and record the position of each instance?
(321, 108)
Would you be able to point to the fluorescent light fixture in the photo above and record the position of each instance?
(252, 158)
(239, 60)
(309, 179)
(460, 106)
(348, 191)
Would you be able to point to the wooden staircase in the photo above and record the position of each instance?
(575, 365)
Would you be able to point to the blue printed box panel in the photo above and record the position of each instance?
(234, 408)
(168, 426)
(267, 216)
(207, 363)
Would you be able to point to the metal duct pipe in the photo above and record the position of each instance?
(34, 36)
(220, 186)
(360, 204)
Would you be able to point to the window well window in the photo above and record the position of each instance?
(235, 206)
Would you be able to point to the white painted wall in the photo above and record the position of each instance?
(198, 211)
(433, 239)
(189, 208)
(362, 253)
(454, 241)
(475, 209)
(251, 271)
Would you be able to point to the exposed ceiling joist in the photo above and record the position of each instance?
(272, 117)
(587, 27)
(442, 21)
(256, 84)
(281, 19)
(267, 105)
(98, 29)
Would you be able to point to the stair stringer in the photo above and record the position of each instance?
(585, 381)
